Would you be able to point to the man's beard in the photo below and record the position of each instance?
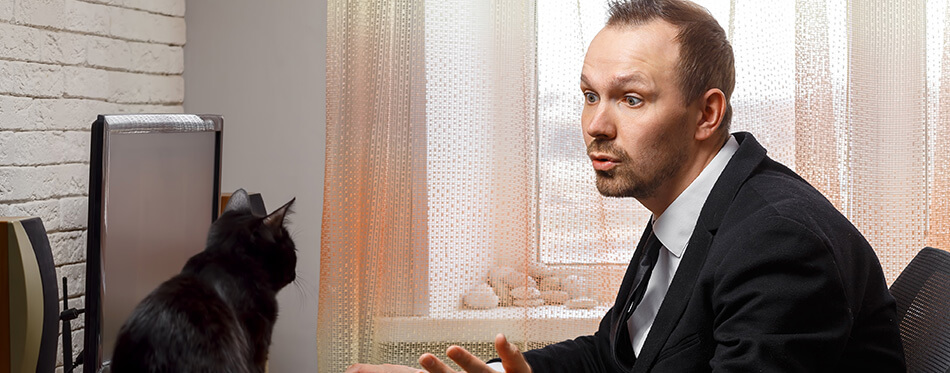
(640, 178)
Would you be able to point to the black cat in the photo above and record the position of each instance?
(217, 315)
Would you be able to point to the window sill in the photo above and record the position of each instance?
(544, 323)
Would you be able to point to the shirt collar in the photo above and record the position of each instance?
(674, 227)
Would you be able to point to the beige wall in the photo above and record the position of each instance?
(262, 65)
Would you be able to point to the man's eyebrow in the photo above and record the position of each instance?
(621, 80)
(584, 81)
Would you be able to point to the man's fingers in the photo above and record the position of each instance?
(433, 364)
(363, 368)
(385, 368)
(511, 357)
(470, 363)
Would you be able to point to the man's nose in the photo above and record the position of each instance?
(601, 122)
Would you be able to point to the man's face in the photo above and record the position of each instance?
(634, 120)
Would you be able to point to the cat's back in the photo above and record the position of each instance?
(182, 326)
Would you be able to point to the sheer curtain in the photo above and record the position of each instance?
(454, 150)
(430, 170)
(849, 95)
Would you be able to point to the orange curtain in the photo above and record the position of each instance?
(373, 235)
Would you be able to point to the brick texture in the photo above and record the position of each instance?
(6, 10)
(62, 63)
(166, 7)
(31, 79)
(43, 147)
(144, 26)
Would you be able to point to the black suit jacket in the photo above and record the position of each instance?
(774, 279)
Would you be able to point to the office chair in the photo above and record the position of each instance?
(922, 292)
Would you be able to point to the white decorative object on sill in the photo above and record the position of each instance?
(580, 303)
(554, 296)
(504, 294)
(522, 279)
(509, 277)
(498, 276)
(541, 285)
(538, 270)
(480, 296)
(550, 284)
(525, 293)
(529, 302)
(575, 286)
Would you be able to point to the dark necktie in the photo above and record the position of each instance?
(644, 268)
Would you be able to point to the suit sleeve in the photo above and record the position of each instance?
(778, 301)
(583, 354)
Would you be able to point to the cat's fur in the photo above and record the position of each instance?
(217, 315)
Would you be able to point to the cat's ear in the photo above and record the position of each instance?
(239, 202)
(276, 218)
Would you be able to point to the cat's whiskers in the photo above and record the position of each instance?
(303, 287)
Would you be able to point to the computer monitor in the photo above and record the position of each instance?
(154, 189)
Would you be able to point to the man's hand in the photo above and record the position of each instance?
(511, 359)
(385, 368)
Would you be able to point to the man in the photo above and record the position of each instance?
(744, 266)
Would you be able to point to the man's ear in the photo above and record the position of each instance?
(713, 107)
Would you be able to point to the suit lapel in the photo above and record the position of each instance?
(739, 168)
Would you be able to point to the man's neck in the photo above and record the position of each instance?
(698, 160)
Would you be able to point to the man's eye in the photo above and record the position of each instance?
(632, 101)
(590, 97)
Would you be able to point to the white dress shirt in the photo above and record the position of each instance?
(673, 228)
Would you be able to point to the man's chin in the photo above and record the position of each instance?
(610, 189)
(611, 195)
(609, 186)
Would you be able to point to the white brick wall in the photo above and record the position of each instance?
(63, 62)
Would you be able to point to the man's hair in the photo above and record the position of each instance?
(705, 60)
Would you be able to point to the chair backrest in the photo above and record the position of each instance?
(922, 292)
(29, 311)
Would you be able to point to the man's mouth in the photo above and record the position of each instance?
(603, 162)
